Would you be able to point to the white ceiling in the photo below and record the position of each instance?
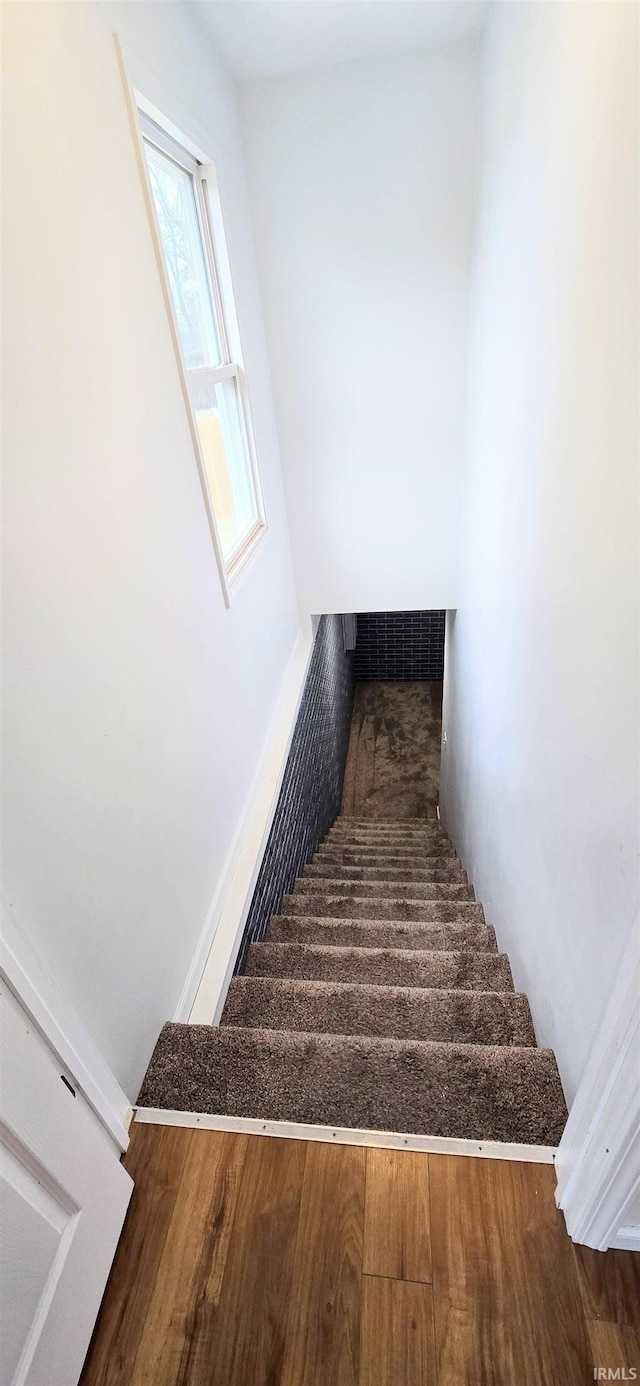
(267, 38)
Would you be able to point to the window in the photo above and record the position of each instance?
(191, 237)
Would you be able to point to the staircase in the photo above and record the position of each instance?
(378, 1001)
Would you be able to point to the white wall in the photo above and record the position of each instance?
(136, 704)
(540, 773)
(362, 181)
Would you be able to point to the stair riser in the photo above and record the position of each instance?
(389, 874)
(396, 968)
(382, 825)
(364, 856)
(428, 828)
(334, 933)
(402, 868)
(463, 1017)
(430, 823)
(393, 825)
(349, 907)
(399, 890)
(388, 840)
(419, 828)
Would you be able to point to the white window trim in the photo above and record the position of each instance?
(175, 137)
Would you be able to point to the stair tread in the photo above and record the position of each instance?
(373, 825)
(388, 850)
(417, 890)
(426, 831)
(387, 834)
(378, 990)
(482, 1092)
(487, 1017)
(328, 870)
(387, 822)
(392, 933)
(389, 839)
(395, 822)
(386, 907)
(448, 968)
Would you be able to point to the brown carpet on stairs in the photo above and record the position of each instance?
(393, 764)
(379, 1084)
(379, 999)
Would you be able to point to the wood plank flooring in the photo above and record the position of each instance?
(252, 1261)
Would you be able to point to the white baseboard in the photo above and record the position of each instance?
(205, 989)
(626, 1239)
(40, 996)
(344, 1135)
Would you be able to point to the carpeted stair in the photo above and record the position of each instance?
(378, 1000)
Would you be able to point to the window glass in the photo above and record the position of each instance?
(219, 422)
(215, 385)
(178, 223)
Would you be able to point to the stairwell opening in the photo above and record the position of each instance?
(367, 739)
(393, 762)
(371, 994)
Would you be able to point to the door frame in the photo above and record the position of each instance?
(28, 978)
(598, 1159)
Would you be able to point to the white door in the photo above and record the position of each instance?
(63, 1198)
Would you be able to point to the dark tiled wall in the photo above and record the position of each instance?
(394, 645)
(311, 792)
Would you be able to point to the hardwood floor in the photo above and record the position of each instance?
(323, 1327)
(507, 1302)
(252, 1261)
(397, 1225)
(397, 1339)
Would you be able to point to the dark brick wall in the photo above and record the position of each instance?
(399, 645)
(311, 792)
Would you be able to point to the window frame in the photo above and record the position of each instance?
(152, 128)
